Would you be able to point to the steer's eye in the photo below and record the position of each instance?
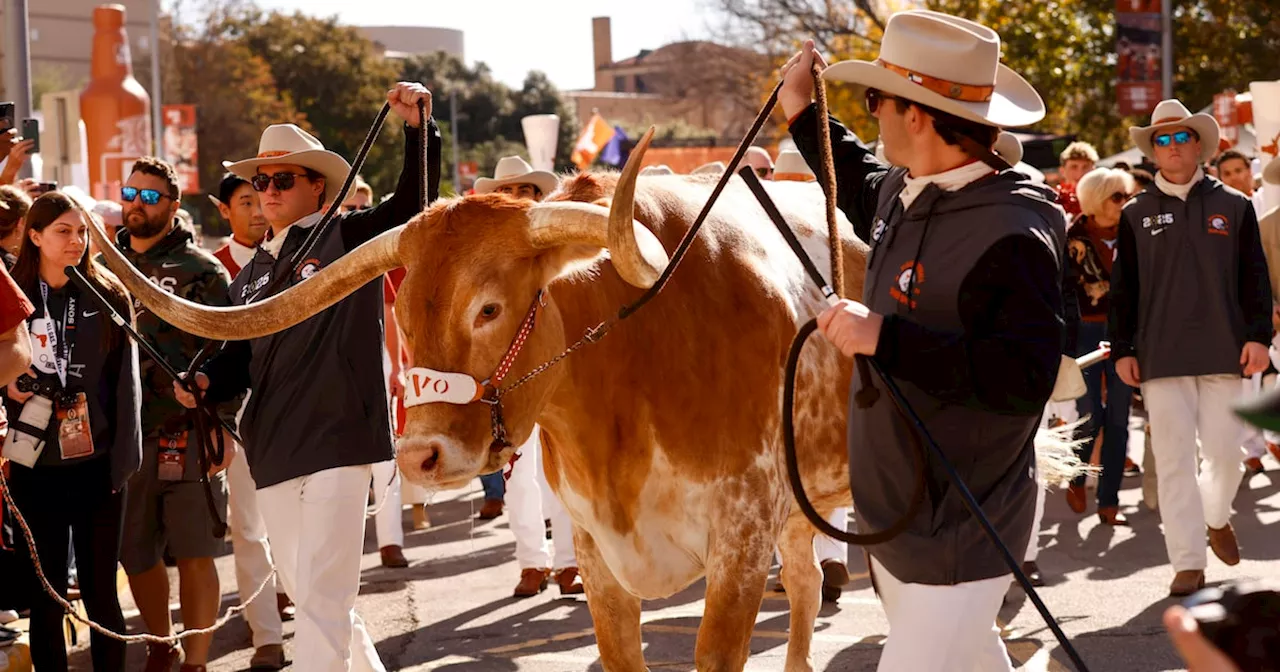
(488, 312)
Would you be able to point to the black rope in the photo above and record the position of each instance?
(630, 309)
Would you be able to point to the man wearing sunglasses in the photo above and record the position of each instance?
(1190, 314)
(165, 507)
(317, 416)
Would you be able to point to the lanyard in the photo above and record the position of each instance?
(58, 341)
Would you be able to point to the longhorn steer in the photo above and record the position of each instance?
(663, 439)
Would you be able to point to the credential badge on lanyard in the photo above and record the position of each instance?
(58, 341)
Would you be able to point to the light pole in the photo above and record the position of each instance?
(157, 128)
(1166, 46)
(18, 65)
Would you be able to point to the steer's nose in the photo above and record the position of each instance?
(430, 455)
(426, 459)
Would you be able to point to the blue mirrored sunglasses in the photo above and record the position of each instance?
(149, 196)
(1165, 139)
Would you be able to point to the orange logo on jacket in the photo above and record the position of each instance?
(907, 286)
(1219, 224)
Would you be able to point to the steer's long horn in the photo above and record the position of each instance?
(267, 317)
(637, 254)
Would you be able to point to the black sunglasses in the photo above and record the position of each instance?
(149, 196)
(355, 208)
(875, 97)
(283, 181)
(1119, 197)
(1179, 138)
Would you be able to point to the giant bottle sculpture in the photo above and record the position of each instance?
(114, 105)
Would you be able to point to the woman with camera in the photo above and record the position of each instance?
(74, 435)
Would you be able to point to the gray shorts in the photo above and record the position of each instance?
(171, 515)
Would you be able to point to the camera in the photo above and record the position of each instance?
(25, 440)
(1243, 621)
(26, 383)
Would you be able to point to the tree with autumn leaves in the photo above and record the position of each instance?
(1065, 48)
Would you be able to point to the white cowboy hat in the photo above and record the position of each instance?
(515, 170)
(759, 152)
(949, 64)
(792, 166)
(288, 144)
(660, 169)
(1170, 113)
(1271, 172)
(713, 168)
(1008, 147)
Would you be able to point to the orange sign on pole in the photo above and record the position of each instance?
(180, 145)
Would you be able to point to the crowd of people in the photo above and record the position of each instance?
(1166, 262)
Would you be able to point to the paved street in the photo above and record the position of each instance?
(451, 609)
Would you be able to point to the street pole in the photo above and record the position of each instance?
(1166, 48)
(157, 127)
(453, 127)
(18, 65)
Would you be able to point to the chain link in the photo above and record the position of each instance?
(592, 335)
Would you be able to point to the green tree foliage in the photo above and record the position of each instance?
(489, 112)
(1065, 48)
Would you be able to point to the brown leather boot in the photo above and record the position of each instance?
(1110, 515)
(421, 520)
(835, 576)
(393, 557)
(268, 657)
(569, 581)
(1223, 543)
(492, 508)
(1186, 582)
(532, 581)
(162, 658)
(1032, 570)
(1076, 498)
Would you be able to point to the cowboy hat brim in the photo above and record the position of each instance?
(334, 168)
(544, 181)
(1014, 102)
(1204, 125)
(1271, 172)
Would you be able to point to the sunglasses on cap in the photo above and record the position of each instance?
(149, 196)
(283, 181)
(875, 97)
(1179, 138)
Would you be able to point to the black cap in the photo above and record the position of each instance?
(230, 182)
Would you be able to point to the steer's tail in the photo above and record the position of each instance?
(1056, 459)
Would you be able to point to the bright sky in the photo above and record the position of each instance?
(514, 37)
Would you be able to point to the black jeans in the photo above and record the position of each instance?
(75, 502)
(1113, 417)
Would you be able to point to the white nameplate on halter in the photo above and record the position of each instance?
(428, 386)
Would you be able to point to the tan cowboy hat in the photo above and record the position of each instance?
(515, 170)
(949, 64)
(288, 144)
(713, 168)
(1271, 172)
(660, 169)
(1170, 113)
(792, 167)
(1008, 147)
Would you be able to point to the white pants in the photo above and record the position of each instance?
(252, 554)
(942, 628)
(316, 523)
(1179, 410)
(1033, 546)
(529, 503)
(388, 526)
(827, 548)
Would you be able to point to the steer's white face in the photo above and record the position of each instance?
(472, 275)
